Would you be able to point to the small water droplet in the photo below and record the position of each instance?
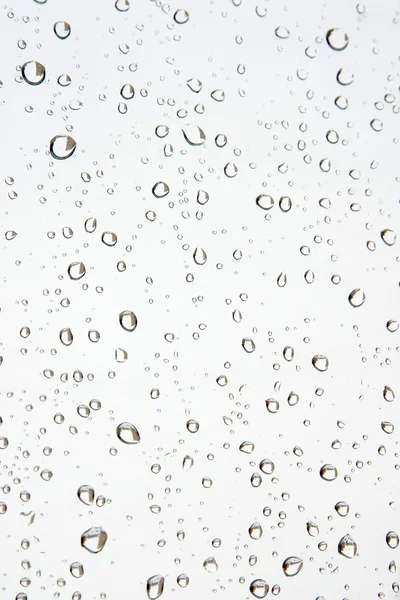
(265, 201)
(200, 256)
(76, 270)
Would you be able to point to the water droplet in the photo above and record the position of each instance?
(66, 336)
(62, 30)
(255, 531)
(200, 256)
(33, 72)
(328, 472)
(320, 362)
(218, 95)
(94, 539)
(187, 463)
(392, 539)
(312, 529)
(195, 85)
(76, 570)
(347, 546)
(342, 509)
(392, 326)
(389, 237)
(387, 427)
(248, 345)
(285, 203)
(128, 434)
(193, 134)
(181, 16)
(345, 77)
(376, 125)
(357, 298)
(282, 33)
(76, 270)
(388, 394)
(267, 466)
(127, 91)
(160, 189)
(182, 580)
(230, 170)
(259, 588)
(210, 564)
(192, 426)
(155, 586)
(265, 201)
(122, 5)
(256, 480)
(246, 447)
(282, 280)
(292, 566)
(128, 320)
(337, 39)
(288, 353)
(62, 147)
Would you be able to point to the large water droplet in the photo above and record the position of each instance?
(342, 508)
(347, 546)
(337, 39)
(392, 539)
(312, 528)
(267, 466)
(328, 472)
(33, 72)
(193, 134)
(128, 320)
(255, 531)
(122, 5)
(248, 345)
(128, 433)
(357, 298)
(230, 170)
(94, 539)
(155, 586)
(259, 588)
(160, 189)
(265, 201)
(389, 237)
(127, 91)
(62, 30)
(200, 256)
(210, 564)
(76, 270)
(320, 362)
(195, 85)
(181, 16)
(66, 336)
(62, 147)
(292, 566)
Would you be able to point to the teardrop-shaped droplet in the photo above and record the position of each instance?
(218, 95)
(388, 394)
(255, 531)
(127, 433)
(389, 237)
(62, 30)
(387, 427)
(237, 316)
(160, 189)
(328, 472)
(342, 508)
(121, 355)
(392, 539)
(155, 586)
(76, 270)
(293, 399)
(292, 566)
(312, 529)
(128, 320)
(195, 85)
(256, 480)
(202, 197)
(272, 405)
(259, 588)
(230, 170)
(282, 280)
(33, 72)
(356, 298)
(94, 539)
(127, 91)
(248, 345)
(320, 362)
(200, 256)
(265, 201)
(62, 147)
(66, 336)
(337, 39)
(210, 564)
(193, 134)
(347, 546)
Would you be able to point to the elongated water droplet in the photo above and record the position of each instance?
(94, 539)
(127, 91)
(288, 353)
(66, 336)
(347, 546)
(128, 433)
(200, 256)
(392, 539)
(237, 316)
(246, 447)
(187, 463)
(292, 566)
(193, 134)
(312, 529)
(62, 147)
(155, 586)
(285, 203)
(255, 531)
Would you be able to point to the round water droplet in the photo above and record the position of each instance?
(210, 564)
(33, 72)
(155, 586)
(128, 320)
(376, 125)
(181, 16)
(94, 539)
(62, 30)
(337, 39)
(248, 345)
(389, 237)
(127, 433)
(392, 326)
(267, 466)
(193, 134)
(345, 77)
(342, 509)
(357, 298)
(387, 427)
(64, 80)
(255, 531)
(292, 566)
(76, 570)
(127, 91)
(282, 33)
(392, 539)
(76, 270)
(265, 201)
(347, 546)
(320, 362)
(62, 147)
(182, 580)
(259, 588)
(160, 189)
(230, 170)
(192, 426)
(122, 5)
(328, 473)
(312, 529)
